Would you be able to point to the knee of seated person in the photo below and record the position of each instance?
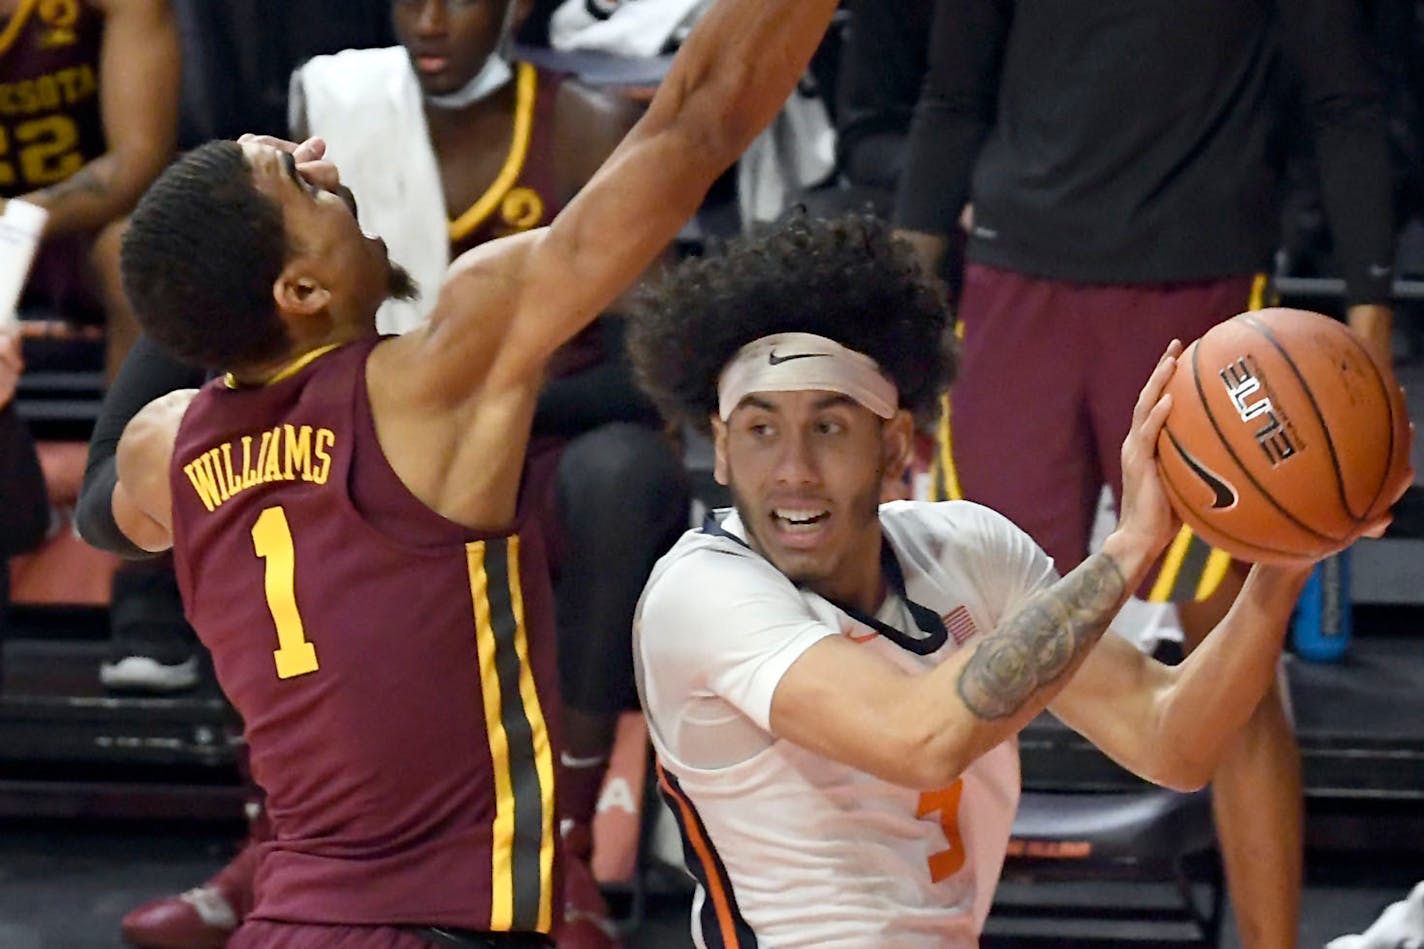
(622, 467)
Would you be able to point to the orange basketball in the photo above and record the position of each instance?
(1285, 438)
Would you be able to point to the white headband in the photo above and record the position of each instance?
(792, 362)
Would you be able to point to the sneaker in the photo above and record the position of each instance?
(202, 918)
(143, 674)
(1400, 926)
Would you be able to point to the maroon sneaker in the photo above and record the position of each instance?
(202, 918)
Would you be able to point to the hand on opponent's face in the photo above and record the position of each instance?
(310, 156)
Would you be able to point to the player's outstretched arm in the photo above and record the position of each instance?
(508, 305)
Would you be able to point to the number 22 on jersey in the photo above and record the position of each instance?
(945, 801)
(272, 541)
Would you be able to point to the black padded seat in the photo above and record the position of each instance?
(1072, 853)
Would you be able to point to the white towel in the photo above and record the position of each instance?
(367, 105)
(635, 28)
(796, 152)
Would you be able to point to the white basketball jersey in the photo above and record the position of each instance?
(791, 848)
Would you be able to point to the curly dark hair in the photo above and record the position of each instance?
(199, 258)
(845, 278)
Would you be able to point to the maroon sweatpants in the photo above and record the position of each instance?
(1048, 377)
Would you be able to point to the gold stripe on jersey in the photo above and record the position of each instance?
(17, 25)
(525, 95)
(944, 477)
(522, 835)
(539, 734)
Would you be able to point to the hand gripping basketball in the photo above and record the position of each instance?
(1146, 512)
(1287, 439)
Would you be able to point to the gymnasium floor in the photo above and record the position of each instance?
(66, 887)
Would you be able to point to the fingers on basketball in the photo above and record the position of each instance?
(1286, 439)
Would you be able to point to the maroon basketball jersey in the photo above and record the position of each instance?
(532, 200)
(390, 667)
(50, 125)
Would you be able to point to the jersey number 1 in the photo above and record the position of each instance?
(272, 540)
(945, 863)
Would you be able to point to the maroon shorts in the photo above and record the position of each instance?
(1048, 377)
(267, 934)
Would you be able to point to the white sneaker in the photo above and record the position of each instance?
(142, 674)
(1400, 926)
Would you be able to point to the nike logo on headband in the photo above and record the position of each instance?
(775, 360)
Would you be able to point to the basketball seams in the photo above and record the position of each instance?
(1389, 402)
(1260, 327)
(1244, 548)
(1236, 459)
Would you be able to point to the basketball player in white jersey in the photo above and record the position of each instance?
(834, 686)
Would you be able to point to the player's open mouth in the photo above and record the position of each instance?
(797, 520)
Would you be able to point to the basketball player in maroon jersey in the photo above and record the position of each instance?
(88, 117)
(346, 510)
(509, 145)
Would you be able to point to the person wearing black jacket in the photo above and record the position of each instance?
(881, 68)
(1116, 164)
(24, 506)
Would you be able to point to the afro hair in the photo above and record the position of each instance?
(845, 278)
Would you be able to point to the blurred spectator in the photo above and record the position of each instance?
(89, 108)
(1119, 161)
(882, 66)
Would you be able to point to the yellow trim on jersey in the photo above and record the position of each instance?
(286, 372)
(502, 836)
(944, 477)
(1258, 292)
(947, 484)
(539, 734)
(510, 909)
(1217, 563)
(480, 211)
(17, 24)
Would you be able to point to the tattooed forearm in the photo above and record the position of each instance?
(86, 180)
(1042, 641)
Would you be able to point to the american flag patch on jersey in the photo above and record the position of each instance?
(960, 625)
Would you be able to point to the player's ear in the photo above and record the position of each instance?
(719, 446)
(897, 444)
(298, 293)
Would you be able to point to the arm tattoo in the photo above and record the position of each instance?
(86, 179)
(1041, 641)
